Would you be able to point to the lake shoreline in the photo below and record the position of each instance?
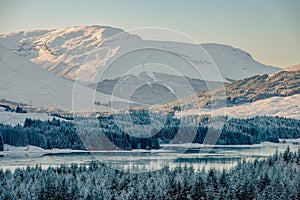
(34, 151)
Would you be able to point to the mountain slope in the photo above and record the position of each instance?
(63, 51)
(25, 82)
(161, 88)
(236, 64)
(276, 94)
(275, 106)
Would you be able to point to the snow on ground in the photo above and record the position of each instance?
(275, 106)
(25, 82)
(289, 141)
(32, 151)
(235, 63)
(83, 52)
(286, 143)
(14, 119)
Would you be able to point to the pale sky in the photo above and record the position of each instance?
(268, 29)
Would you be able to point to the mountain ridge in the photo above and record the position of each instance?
(66, 51)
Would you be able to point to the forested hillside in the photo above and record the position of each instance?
(283, 83)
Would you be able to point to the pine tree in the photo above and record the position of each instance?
(199, 188)
(1, 143)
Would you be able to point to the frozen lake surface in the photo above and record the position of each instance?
(196, 155)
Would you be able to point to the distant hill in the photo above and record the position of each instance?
(280, 84)
(248, 90)
(160, 88)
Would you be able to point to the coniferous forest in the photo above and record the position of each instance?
(275, 177)
(66, 134)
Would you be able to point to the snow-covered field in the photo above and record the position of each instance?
(32, 151)
(14, 119)
(276, 106)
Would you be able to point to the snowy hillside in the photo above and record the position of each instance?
(276, 106)
(14, 119)
(24, 82)
(274, 95)
(69, 51)
(235, 63)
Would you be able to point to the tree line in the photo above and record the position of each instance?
(124, 134)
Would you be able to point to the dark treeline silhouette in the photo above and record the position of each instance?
(63, 134)
(275, 177)
(46, 134)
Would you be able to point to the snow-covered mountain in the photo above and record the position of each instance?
(140, 71)
(24, 82)
(70, 53)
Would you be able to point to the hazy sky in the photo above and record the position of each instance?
(268, 29)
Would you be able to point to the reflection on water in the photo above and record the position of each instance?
(198, 157)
